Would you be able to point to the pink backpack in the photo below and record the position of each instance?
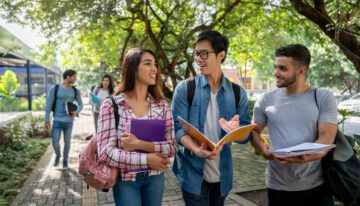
(96, 173)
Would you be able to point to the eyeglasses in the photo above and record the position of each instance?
(203, 54)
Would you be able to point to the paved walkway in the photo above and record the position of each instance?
(49, 186)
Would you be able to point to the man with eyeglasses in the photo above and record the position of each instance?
(206, 176)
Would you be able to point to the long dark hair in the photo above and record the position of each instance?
(130, 66)
(111, 85)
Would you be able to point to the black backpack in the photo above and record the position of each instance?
(55, 98)
(191, 85)
(341, 169)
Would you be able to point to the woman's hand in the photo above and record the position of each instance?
(156, 161)
(129, 141)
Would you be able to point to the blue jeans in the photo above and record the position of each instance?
(210, 196)
(66, 128)
(145, 191)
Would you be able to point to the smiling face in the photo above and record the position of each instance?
(147, 70)
(286, 72)
(206, 58)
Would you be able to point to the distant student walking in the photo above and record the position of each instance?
(99, 94)
(58, 101)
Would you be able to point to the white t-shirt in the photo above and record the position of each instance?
(212, 131)
(102, 94)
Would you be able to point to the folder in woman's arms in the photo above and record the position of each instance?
(239, 134)
(150, 130)
(301, 149)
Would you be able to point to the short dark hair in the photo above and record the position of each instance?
(68, 72)
(298, 52)
(218, 42)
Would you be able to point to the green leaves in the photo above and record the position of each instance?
(92, 36)
(8, 83)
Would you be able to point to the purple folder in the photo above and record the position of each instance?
(150, 130)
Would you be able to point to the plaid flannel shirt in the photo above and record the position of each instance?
(109, 145)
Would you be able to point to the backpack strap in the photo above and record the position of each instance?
(315, 97)
(55, 98)
(190, 90)
(96, 90)
(75, 93)
(237, 93)
(116, 112)
(191, 85)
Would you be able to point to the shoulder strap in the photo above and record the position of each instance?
(55, 98)
(190, 90)
(191, 85)
(96, 90)
(116, 112)
(237, 93)
(75, 93)
(315, 96)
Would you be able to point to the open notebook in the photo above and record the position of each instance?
(301, 149)
(239, 134)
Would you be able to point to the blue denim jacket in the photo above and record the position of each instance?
(187, 167)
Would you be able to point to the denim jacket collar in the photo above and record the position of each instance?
(225, 84)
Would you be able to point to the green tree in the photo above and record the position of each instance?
(8, 83)
(92, 36)
(334, 68)
(339, 20)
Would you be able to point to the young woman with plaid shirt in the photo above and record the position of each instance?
(138, 96)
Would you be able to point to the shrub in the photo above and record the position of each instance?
(16, 162)
(8, 83)
(39, 104)
(251, 107)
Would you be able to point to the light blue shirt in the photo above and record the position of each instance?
(63, 95)
(188, 168)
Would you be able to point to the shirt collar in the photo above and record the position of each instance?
(121, 98)
(225, 83)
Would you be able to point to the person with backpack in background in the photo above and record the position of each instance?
(99, 94)
(139, 97)
(60, 101)
(206, 102)
(295, 113)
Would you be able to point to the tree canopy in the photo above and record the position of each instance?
(93, 35)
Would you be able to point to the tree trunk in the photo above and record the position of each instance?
(346, 41)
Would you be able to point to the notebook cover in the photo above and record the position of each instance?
(70, 107)
(150, 130)
(95, 99)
